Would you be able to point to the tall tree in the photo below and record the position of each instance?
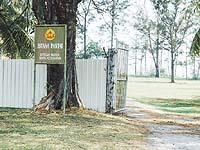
(177, 20)
(139, 51)
(112, 13)
(85, 15)
(60, 12)
(151, 32)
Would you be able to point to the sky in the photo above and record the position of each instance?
(125, 33)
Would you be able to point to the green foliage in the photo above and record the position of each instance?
(177, 19)
(93, 51)
(195, 48)
(15, 29)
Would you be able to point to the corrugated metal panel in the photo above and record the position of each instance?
(16, 87)
(91, 74)
(16, 78)
(41, 82)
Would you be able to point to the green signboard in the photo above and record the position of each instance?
(50, 44)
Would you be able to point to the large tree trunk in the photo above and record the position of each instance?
(60, 12)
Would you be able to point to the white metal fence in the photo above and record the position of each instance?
(16, 83)
(91, 75)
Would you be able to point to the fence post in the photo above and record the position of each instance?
(110, 83)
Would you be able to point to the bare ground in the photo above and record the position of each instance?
(168, 131)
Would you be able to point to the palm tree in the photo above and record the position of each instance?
(195, 48)
(15, 29)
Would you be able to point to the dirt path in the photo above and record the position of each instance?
(167, 131)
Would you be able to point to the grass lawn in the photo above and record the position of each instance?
(183, 106)
(180, 97)
(80, 129)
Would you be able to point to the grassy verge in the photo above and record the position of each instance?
(183, 106)
(182, 97)
(80, 129)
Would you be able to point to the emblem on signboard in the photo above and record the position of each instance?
(50, 34)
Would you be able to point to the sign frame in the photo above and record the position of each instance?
(50, 44)
(64, 61)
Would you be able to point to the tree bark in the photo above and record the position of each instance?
(186, 67)
(135, 62)
(60, 12)
(172, 68)
(157, 63)
(157, 71)
(155, 54)
(86, 12)
(198, 70)
(85, 40)
(145, 63)
(141, 67)
(194, 67)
